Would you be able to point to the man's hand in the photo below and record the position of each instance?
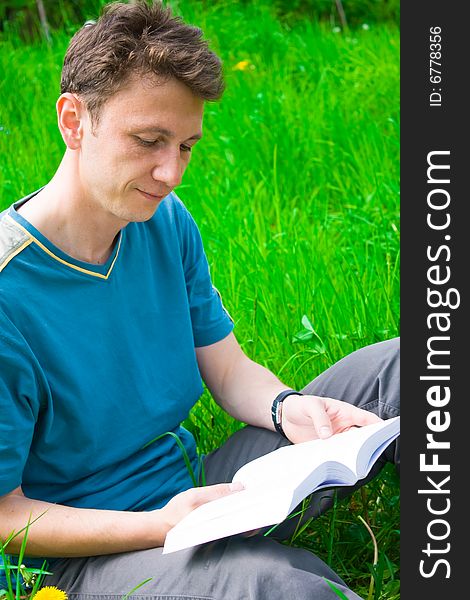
(307, 418)
(183, 503)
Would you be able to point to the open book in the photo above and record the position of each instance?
(277, 482)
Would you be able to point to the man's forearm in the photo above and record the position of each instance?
(253, 405)
(243, 388)
(65, 531)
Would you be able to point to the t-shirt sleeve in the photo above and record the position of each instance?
(211, 321)
(18, 410)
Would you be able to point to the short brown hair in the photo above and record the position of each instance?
(138, 38)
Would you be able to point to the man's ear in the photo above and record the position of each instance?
(71, 114)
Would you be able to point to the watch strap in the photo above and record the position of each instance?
(276, 409)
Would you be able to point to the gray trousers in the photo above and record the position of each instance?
(247, 568)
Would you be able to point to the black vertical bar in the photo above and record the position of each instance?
(434, 306)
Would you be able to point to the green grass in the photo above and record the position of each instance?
(295, 188)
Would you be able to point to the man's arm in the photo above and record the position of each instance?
(246, 390)
(65, 531)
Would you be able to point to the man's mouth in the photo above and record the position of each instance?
(150, 196)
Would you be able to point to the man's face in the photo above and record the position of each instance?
(139, 149)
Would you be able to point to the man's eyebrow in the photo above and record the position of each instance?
(166, 132)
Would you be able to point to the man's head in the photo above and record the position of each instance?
(131, 108)
(138, 39)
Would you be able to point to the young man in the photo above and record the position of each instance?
(108, 321)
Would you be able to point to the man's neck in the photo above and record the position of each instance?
(63, 214)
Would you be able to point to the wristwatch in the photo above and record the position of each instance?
(276, 409)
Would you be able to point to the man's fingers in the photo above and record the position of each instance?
(185, 502)
(348, 414)
(208, 493)
(320, 419)
(364, 417)
(303, 414)
(330, 416)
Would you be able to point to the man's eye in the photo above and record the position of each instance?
(146, 143)
(185, 148)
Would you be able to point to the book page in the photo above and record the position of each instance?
(290, 464)
(242, 511)
(375, 444)
(277, 482)
(359, 447)
(286, 466)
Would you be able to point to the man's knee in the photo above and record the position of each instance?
(367, 378)
(263, 568)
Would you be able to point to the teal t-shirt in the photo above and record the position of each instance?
(98, 360)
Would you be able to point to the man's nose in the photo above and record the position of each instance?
(169, 170)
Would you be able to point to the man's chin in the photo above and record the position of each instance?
(141, 218)
(145, 214)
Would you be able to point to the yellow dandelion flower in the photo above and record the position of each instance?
(50, 592)
(242, 65)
